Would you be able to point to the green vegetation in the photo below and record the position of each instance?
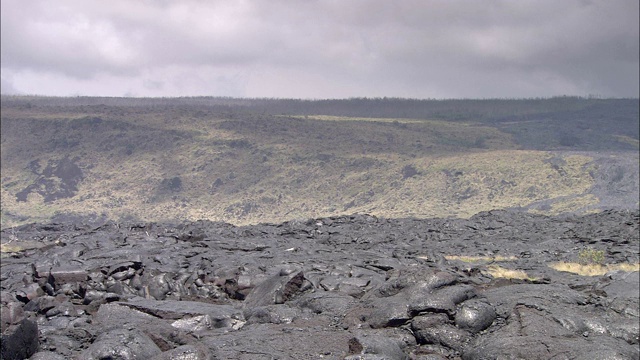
(591, 256)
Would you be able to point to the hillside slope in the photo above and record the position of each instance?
(262, 161)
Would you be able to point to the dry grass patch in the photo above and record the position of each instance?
(474, 259)
(574, 203)
(464, 184)
(9, 248)
(349, 118)
(593, 269)
(499, 272)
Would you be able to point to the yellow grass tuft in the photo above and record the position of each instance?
(593, 269)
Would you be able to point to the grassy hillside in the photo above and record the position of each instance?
(245, 164)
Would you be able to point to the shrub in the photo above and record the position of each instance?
(591, 256)
(239, 144)
(480, 143)
(409, 171)
(173, 184)
(568, 140)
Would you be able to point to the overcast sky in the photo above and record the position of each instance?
(321, 48)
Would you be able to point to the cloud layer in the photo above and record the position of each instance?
(322, 48)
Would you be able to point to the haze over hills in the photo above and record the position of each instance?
(271, 160)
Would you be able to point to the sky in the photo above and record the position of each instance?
(321, 49)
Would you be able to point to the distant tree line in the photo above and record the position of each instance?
(477, 110)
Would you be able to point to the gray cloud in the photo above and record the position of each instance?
(6, 87)
(322, 49)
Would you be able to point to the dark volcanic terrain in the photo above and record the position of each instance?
(171, 228)
(342, 287)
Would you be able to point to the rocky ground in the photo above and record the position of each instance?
(348, 287)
